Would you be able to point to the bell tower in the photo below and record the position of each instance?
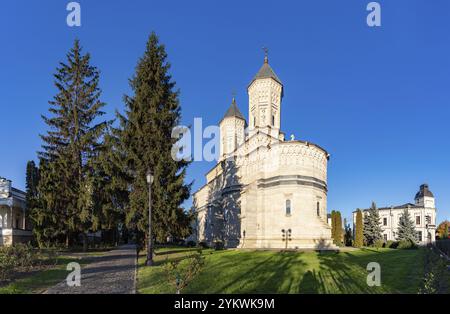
(232, 130)
(265, 94)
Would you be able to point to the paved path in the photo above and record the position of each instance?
(111, 273)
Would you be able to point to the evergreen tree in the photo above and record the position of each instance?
(359, 233)
(70, 145)
(406, 229)
(348, 237)
(337, 228)
(32, 180)
(333, 225)
(145, 135)
(372, 227)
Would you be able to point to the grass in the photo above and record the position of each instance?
(40, 280)
(289, 272)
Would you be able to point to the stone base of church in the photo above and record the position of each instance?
(295, 244)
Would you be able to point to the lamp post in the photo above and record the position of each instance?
(149, 261)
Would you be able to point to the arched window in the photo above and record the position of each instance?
(318, 209)
(288, 207)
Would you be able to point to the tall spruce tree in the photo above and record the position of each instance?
(72, 142)
(406, 229)
(372, 225)
(359, 233)
(145, 135)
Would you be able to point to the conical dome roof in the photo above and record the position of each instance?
(266, 72)
(233, 111)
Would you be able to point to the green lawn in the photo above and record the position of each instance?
(236, 271)
(39, 281)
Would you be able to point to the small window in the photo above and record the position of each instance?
(428, 219)
(384, 221)
(318, 209)
(273, 120)
(417, 220)
(254, 121)
(419, 236)
(385, 237)
(288, 207)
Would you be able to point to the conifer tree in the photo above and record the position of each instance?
(406, 229)
(32, 180)
(333, 225)
(145, 135)
(73, 140)
(359, 234)
(338, 229)
(372, 227)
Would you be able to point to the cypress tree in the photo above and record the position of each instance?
(145, 135)
(73, 140)
(359, 234)
(372, 227)
(333, 225)
(406, 229)
(32, 180)
(338, 230)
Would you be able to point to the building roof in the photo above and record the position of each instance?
(266, 72)
(424, 191)
(233, 111)
(407, 205)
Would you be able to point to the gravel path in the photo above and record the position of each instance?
(113, 272)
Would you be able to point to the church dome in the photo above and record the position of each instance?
(233, 111)
(266, 72)
(424, 191)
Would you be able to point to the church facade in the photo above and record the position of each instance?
(265, 191)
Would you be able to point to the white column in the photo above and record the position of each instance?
(11, 217)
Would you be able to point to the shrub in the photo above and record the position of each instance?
(436, 277)
(15, 257)
(391, 244)
(407, 244)
(190, 243)
(444, 246)
(203, 245)
(218, 245)
(378, 244)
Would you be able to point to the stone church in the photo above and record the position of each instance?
(265, 191)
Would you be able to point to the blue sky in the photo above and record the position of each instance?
(378, 99)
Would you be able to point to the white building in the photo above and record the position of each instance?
(14, 226)
(423, 212)
(265, 191)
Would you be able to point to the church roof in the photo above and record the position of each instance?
(233, 111)
(266, 72)
(424, 191)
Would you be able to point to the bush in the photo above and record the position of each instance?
(190, 243)
(378, 244)
(444, 246)
(12, 258)
(391, 244)
(407, 244)
(436, 277)
(218, 245)
(203, 245)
